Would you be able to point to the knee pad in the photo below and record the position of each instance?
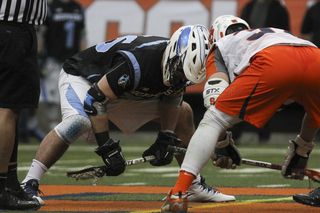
(222, 119)
(71, 128)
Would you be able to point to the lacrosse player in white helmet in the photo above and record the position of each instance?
(186, 52)
(130, 81)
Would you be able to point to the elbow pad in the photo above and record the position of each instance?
(212, 90)
(96, 102)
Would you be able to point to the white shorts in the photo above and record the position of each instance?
(49, 83)
(127, 115)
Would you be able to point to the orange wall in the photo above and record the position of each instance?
(296, 9)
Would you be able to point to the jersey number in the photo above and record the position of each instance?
(261, 33)
(69, 28)
(104, 47)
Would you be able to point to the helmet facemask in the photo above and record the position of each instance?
(173, 68)
(177, 76)
(235, 28)
(185, 56)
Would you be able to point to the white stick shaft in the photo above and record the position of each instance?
(140, 160)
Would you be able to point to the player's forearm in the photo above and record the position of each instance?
(168, 116)
(99, 123)
(307, 132)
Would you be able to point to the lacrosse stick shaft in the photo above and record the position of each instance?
(140, 160)
(312, 174)
(243, 161)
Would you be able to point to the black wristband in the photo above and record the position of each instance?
(102, 137)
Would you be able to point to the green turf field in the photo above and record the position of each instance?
(81, 154)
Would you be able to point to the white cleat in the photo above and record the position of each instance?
(199, 191)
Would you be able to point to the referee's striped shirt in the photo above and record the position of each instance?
(23, 11)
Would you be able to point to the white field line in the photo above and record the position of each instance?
(141, 149)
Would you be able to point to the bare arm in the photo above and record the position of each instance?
(168, 116)
(307, 37)
(307, 132)
(221, 75)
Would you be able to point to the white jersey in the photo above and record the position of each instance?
(237, 49)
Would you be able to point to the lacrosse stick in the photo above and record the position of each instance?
(97, 172)
(312, 174)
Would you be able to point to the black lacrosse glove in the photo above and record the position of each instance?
(112, 157)
(159, 148)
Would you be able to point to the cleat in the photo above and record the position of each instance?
(10, 201)
(31, 187)
(175, 202)
(310, 199)
(199, 191)
(20, 194)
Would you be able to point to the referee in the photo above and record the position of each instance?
(19, 89)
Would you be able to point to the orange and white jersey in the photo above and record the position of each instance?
(238, 48)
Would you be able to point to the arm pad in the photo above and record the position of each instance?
(212, 90)
(96, 102)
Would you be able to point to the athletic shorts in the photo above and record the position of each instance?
(275, 74)
(127, 115)
(19, 71)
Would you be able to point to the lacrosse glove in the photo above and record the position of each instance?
(159, 148)
(297, 158)
(228, 154)
(112, 157)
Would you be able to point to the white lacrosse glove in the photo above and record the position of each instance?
(298, 153)
(212, 90)
(228, 154)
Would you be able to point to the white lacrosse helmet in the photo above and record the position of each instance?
(186, 52)
(225, 25)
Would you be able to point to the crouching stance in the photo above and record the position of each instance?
(129, 81)
(250, 74)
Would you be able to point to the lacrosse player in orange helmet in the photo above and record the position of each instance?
(250, 74)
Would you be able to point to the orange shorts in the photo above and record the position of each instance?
(275, 74)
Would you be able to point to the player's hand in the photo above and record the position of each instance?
(112, 157)
(228, 155)
(297, 158)
(159, 148)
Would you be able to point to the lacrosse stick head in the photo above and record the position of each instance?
(312, 174)
(94, 173)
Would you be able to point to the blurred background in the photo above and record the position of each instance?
(109, 19)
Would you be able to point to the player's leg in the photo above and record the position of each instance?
(199, 191)
(75, 123)
(199, 151)
(8, 118)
